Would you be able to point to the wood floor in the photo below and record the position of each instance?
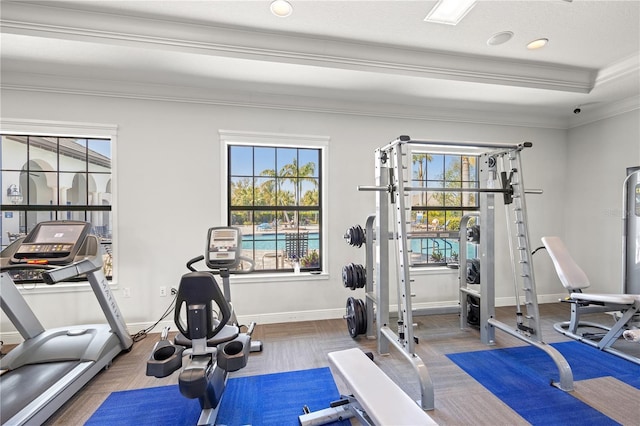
(459, 399)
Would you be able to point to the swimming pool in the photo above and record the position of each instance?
(445, 247)
(273, 241)
(423, 246)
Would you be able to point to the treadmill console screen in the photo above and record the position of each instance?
(223, 247)
(55, 242)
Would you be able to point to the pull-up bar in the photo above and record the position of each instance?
(408, 140)
(424, 189)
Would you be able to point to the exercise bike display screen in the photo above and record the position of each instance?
(223, 247)
(56, 242)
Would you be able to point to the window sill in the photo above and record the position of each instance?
(279, 277)
(436, 270)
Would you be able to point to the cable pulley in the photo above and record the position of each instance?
(355, 236)
(354, 276)
(473, 234)
(356, 317)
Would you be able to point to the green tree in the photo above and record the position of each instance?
(242, 195)
(296, 175)
(421, 160)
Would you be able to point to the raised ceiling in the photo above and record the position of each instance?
(358, 57)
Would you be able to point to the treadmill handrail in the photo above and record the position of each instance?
(63, 273)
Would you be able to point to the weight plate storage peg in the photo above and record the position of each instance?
(353, 276)
(355, 236)
(356, 317)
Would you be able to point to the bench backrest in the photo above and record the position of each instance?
(571, 275)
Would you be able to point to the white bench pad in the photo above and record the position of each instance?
(621, 299)
(384, 402)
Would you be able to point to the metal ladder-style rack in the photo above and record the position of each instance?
(392, 164)
(502, 170)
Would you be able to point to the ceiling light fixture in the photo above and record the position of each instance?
(281, 8)
(500, 38)
(537, 44)
(450, 12)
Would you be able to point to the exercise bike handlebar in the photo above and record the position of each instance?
(192, 261)
(224, 269)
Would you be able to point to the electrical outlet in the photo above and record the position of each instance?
(163, 291)
(126, 292)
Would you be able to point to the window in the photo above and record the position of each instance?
(435, 215)
(56, 178)
(275, 197)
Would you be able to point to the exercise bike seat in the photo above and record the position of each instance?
(226, 334)
(197, 294)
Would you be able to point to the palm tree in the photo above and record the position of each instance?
(296, 175)
(242, 194)
(421, 160)
(467, 162)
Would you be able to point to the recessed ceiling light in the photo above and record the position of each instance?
(537, 44)
(449, 12)
(499, 38)
(281, 8)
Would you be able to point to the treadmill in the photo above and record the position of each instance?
(43, 372)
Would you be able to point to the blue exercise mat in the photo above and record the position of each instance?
(270, 399)
(521, 377)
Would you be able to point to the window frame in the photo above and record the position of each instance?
(437, 231)
(61, 129)
(278, 140)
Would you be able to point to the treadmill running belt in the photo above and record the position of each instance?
(20, 387)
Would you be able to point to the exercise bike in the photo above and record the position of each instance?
(213, 344)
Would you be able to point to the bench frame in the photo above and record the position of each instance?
(624, 307)
(376, 399)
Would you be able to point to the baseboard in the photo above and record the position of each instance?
(424, 308)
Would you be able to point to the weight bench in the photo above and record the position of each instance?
(625, 307)
(376, 399)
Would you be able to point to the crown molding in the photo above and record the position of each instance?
(627, 67)
(51, 21)
(603, 112)
(56, 128)
(434, 111)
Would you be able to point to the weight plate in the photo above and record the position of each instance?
(355, 236)
(356, 317)
(351, 317)
(361, 317)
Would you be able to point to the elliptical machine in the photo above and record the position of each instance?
(213, 343)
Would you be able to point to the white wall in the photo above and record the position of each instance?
(598, 155)
(167, 167)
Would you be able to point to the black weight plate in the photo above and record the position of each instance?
(345, 276)
(351, 274)
(360, 276)
(351, 317)
(362, 236)
(361, 317)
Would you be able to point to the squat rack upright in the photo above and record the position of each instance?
(500, 163)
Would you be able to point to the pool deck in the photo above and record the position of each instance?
(273, 259)
(249, 230)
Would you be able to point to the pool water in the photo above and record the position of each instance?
(442, 246)
(273, 241)
(422, 246)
